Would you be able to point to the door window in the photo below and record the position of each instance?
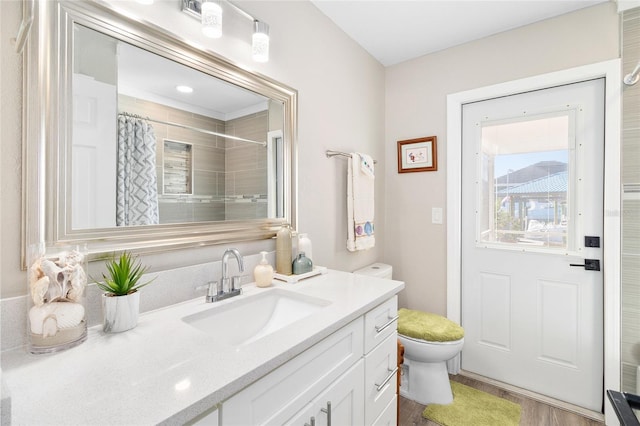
(524, 198)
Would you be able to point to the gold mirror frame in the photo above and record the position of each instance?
(47, 133)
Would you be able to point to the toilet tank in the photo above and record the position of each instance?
(380, 270)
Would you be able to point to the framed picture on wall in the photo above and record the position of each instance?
(417, 155)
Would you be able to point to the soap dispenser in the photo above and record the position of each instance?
(263, 272)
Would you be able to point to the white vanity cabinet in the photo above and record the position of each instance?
(334, 382)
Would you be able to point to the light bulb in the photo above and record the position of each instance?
(211, 13)
(260, 42)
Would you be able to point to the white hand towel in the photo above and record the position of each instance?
(360, 202)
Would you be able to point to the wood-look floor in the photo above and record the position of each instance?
(534, 413)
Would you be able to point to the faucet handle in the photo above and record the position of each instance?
(212, 291)
(235, 282)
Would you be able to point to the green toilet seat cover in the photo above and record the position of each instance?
(428, 326)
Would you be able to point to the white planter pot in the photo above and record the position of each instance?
(120, 313)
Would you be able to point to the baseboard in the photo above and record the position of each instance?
(594, 415)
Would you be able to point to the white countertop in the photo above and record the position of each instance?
(165, 370)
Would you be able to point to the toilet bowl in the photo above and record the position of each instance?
(429, 341)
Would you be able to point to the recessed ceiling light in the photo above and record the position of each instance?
(184, 89)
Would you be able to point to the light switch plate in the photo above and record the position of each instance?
(436, 215)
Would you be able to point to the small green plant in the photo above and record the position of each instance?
(124, 275)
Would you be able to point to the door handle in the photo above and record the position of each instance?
(588, 265)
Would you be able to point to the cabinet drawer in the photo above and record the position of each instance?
(389, 415)
(279, 395)
(379, 323)
(380, 377)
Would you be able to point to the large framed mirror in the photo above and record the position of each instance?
(137, 140)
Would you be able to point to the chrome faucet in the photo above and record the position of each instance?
(229, 287)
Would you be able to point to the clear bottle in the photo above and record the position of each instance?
(304, 246)
(263, 272)
(283, 250)
(302, 264)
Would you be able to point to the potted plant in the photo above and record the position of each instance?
(121, 298)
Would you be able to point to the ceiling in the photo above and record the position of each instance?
(230, 101)
(394, 31)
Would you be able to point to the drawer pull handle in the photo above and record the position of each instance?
(389, 377)
(313, 422)
(381, 328)
(328, 411)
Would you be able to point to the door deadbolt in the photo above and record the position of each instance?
(588, 265)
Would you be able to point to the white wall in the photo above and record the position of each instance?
(10, 158)
(416, 94)
(341, 106)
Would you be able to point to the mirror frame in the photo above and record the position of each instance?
(47, 127)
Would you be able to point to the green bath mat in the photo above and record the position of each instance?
(473, 407)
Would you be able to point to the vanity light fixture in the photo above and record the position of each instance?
(260, 41)
(211, 18)
(209, 12)
(184, 89)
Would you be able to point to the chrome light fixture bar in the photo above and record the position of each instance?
(209, 12)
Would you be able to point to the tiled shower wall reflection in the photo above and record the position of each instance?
(246, 168)
(229, 178)
(630, 268)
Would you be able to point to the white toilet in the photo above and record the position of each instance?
(429, 341)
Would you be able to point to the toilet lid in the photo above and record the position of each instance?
(428, 326)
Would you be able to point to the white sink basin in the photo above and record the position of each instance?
(246, 319)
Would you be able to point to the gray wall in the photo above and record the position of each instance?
(416, 96)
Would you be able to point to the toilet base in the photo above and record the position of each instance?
(426, 382)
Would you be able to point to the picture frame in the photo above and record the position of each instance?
(418, 155)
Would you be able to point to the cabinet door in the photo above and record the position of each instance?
(381, 377)
(340, 404)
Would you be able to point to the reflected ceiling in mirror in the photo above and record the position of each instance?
(130, 161)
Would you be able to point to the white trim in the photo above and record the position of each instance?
(272, 181)
(611, 71)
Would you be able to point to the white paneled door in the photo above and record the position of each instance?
(93, 156)
(532, 218)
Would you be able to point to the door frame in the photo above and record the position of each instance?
(611, 71)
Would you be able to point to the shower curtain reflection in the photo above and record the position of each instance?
(137, 182)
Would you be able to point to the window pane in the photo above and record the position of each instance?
(524, 194)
